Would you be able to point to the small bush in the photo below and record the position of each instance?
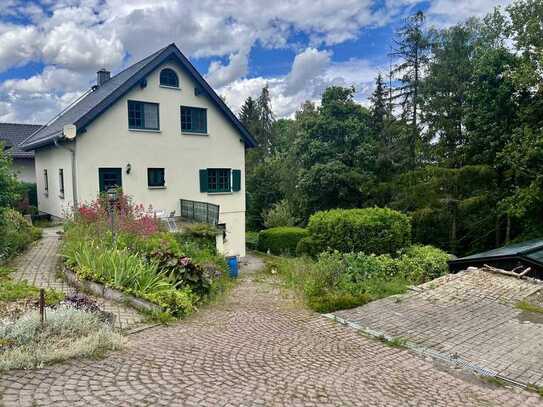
(280, 214)
(307, 247)
(369, 230)
(281, 240)
(429, 262)
(251, 240)
(16, 233)
(67, 333)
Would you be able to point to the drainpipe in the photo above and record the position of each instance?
(74, 179)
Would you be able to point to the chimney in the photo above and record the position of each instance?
(102, 76)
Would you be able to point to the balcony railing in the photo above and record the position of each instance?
(201, 212)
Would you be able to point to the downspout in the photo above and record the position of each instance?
(74, 178)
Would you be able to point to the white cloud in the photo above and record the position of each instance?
(40, 97)
(449, 12)
(76, 37)
(17, 45)
(219, 75)
(316, 71)
(307, 66)
(81, 49)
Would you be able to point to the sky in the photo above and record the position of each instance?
(50, 50)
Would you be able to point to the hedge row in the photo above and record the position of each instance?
(368, 230)
(281, 240)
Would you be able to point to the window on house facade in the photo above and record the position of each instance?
(45, 182)
(155, 177)
(193, 119)
(220, 180)
(61, 182)
(168, 77)
(143, 115)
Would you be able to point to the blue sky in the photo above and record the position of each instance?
(51, 49)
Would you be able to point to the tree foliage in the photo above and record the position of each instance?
(453, 138)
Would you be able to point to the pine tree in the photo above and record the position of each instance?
(412, 45)
(266, 119)
(249, 116)
(379, 108)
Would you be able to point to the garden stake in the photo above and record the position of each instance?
(42, 306)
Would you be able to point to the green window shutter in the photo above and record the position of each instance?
(236, 180)
(203, 180)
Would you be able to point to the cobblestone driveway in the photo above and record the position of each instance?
(471, 315)
(257, 347)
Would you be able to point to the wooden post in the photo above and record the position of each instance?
(42, 306)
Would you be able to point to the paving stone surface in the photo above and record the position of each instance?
(39, 266)
(472, 315)
(257, 347)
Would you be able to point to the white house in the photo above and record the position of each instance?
(159, 131)
(11, 137)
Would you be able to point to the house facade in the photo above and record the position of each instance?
(157, 130)
(12, 135)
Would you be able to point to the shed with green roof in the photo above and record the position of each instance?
(527, 254)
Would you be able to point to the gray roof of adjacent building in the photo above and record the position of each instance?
(12, 136)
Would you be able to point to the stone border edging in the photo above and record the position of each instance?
(108, 293)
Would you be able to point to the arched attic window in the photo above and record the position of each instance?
(168, 77)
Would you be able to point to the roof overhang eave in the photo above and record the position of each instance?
(41, 143)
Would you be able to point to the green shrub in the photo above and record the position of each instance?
(429, 262)
(280, 214)
(369, 230)
(307, 247)
(281, 240)
(338, 281)
(251, 240)
(16, 233)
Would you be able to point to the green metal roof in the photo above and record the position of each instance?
(523, 248)
(528, 252)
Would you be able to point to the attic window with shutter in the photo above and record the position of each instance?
(169, 78)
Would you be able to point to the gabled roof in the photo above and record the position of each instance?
(13, 134)
(96, 101)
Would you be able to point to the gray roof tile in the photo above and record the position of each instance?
(13, 134)
(97, 100)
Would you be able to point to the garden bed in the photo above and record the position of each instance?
(109, 293)
(140, 263)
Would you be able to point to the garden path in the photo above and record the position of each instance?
(39, 266)
(256, 347)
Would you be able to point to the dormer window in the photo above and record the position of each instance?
(169, 78)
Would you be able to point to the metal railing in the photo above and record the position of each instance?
(201, 212)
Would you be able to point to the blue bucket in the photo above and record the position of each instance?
(233, 264)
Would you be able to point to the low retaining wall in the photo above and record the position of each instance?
(108, 293)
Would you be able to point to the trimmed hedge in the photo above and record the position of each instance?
(368, 230)
(281, 240)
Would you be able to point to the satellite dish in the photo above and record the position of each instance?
(69, 131)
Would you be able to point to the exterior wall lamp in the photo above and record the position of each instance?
(128, 168)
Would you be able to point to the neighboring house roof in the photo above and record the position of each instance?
(13, 134)
(97, 100)
(529, 252)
